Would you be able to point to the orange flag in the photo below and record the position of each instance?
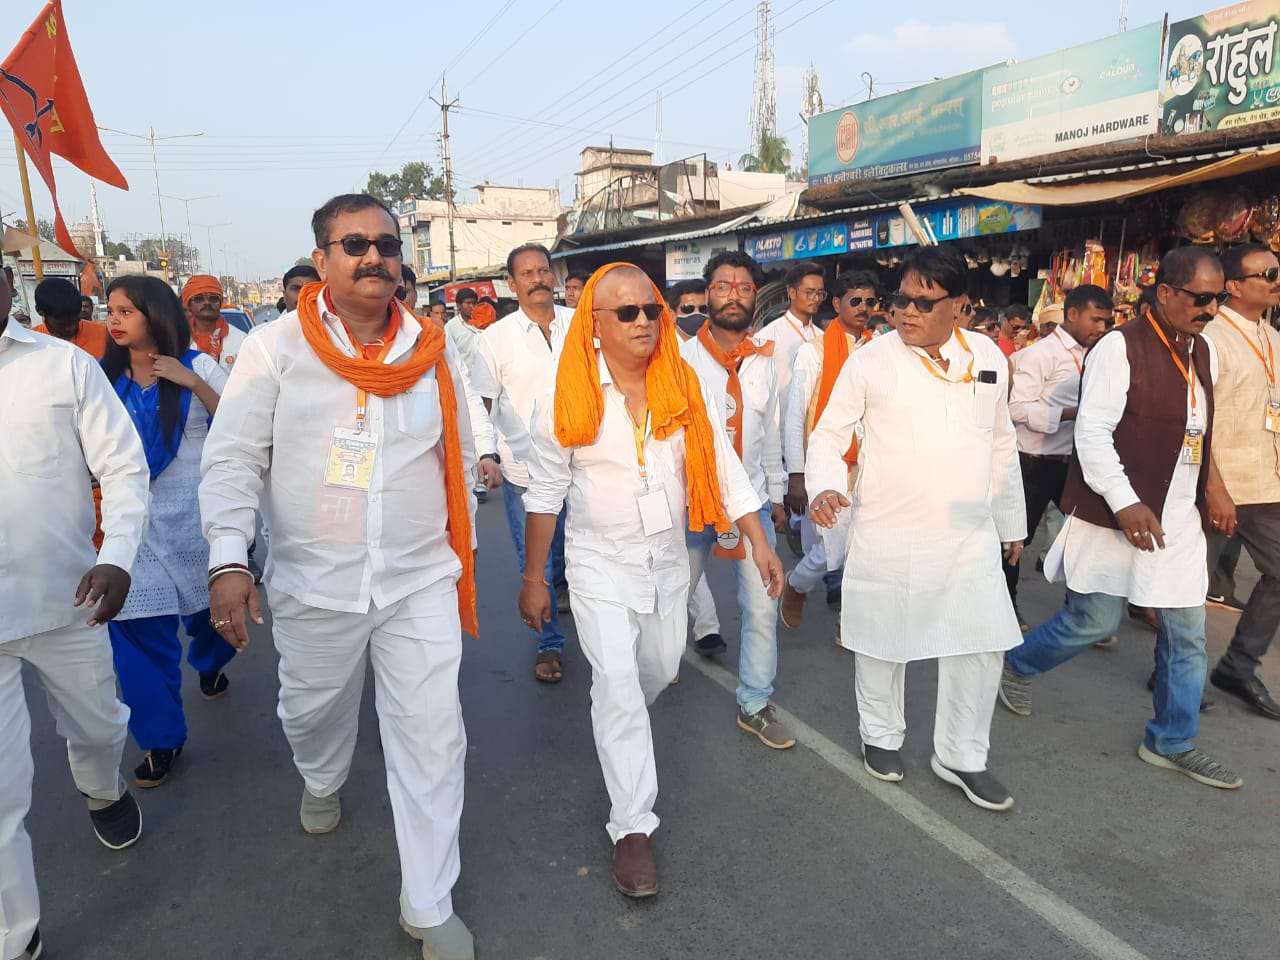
(43, 97)
(89, 282)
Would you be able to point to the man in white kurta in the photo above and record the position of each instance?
(938, 496)
(62, 423)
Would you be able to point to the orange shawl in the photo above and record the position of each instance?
(483, 315)
(835, 351)
(386, 380)
(674, 395)
(211, 344)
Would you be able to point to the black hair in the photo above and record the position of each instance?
(323, 218)
(57, 298)
(525, 248)
(1017, 311)
(301, 270)
(1178, 267)
(280, 305)
(466, 293)
(944, 267)
(1233, 259)
(1084, 296)
(736, 259)
(853, 280)
(805, 268)
(582, 275)
(84, 300)
(170, 332)
(982, 315)
(407, 275)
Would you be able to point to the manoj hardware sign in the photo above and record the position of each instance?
(686, 258)
(925, 128)
(1095, 93)
(1222, 70)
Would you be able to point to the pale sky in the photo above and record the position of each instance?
(297, 102)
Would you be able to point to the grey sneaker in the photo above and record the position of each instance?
(320, 814)
(882, 764)
(766, 729)
(450, 940)
(1015, 692)
(1195, 765)
(981, 787)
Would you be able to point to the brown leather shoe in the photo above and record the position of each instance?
(634, 872)
(791, 606)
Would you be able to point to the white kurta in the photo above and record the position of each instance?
(1101, 560)
(938, 492)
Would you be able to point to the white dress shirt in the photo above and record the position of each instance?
(465, 337)
(761, 442)
(607, 554)
(788, 332)
(1046, 381)
(1101, 560)
(331, 547)
(515, 366)
(62, 422)
(806, 374)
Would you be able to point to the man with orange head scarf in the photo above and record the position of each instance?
(627, 441)
(210, 332)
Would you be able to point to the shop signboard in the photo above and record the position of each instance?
(823, 240)
(958, 220)
(1096, 93)
(686, 258)
(1223, 69)
(483, 288)
(929, 127)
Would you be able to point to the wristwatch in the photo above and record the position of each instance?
(491, 456)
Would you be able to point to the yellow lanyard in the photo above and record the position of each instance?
(968, 374)
(1269, 361)
(1079, 368)
(639, 433)
(799, 330)
(1190, 377)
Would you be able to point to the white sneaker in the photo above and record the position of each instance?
(450, 940)
(320, 814)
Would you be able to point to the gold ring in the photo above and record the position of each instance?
(219, 624)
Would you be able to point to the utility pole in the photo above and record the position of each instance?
(445, 105)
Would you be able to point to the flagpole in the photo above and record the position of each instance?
(31, 210)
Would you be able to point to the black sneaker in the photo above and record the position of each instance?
(834, 598)
(982, 789)
(154, 768)
(35, 949)
(214, 685)
(881, 763)
(119, 825)
(1222, 602)
(562, 599)
(710, 645)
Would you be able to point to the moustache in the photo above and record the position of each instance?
(1203, 318)
(377, 270)
(541, 286)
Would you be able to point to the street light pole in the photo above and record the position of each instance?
(155, 169)
(186, 202)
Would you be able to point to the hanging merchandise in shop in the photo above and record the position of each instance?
(1099, 92)
(1222, 69)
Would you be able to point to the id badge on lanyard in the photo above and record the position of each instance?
(1272, 417)
(655, 512)
(1193, 445)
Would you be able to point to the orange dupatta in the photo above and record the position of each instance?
(386, 380)
(211, 344)
(835, 351)
(675, 402)
(483, 315)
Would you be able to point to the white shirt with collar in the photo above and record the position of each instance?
(788, 332)
(63, 422)
(232, 344)
(515, 365)
(761, 438)
(331, 547)
(1046, 381)
(607, 554)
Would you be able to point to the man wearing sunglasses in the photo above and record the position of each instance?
(1016, 329)
(1246, 447)
(855, 299)
(937, 498)
(210, 332)
(987, 323)
(1140, 486)
(688, 301)
(349, 416)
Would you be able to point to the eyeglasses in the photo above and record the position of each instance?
(871, 302)
(688, 308)
(1201, 299)
(900, 301)
(359, 246)
(1271, 274)
(1019, 327)
(989, 327)
(203, 298)
(630, 312)
(722, 288)
(818, 295)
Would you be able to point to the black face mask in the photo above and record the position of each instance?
(690, 323)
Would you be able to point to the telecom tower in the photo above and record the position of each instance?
(764, 106)
(810, 105)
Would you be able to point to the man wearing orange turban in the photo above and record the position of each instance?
(210, 332)
(627, 441)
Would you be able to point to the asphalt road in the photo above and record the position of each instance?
(795, 854)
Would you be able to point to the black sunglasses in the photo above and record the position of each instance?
(359, 246)
(687, 308)
(1201, 299)
(1271, 274)
(900, 301)
(630, 312)
(871, 302)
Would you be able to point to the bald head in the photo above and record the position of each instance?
(627, 279)
(624, 343)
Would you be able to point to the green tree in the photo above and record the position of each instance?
(44, 228)
(772, 156)
(117, 250)
(304, 262)
(415, 179)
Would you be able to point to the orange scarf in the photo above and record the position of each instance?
(483, 315)
(835, 351)
(675, 402)
(386, 380)
(211, 344)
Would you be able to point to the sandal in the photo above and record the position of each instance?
(552, 659)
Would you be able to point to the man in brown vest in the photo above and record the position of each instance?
(1247, 450)
(1140, 485)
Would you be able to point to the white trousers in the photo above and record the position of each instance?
(702, 610)
(633, 658)
(808, 573)
(415, 646)
(967, 687)
(74, 664)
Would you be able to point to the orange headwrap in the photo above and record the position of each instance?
(387, 380)
(483, 315)
(200, 283)
(835, 351)
(674, 396)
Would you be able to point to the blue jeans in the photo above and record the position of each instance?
(758, 648)
(1181, 662)
(549, 637)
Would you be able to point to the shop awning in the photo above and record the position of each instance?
(1100, 191)
(658, 239)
